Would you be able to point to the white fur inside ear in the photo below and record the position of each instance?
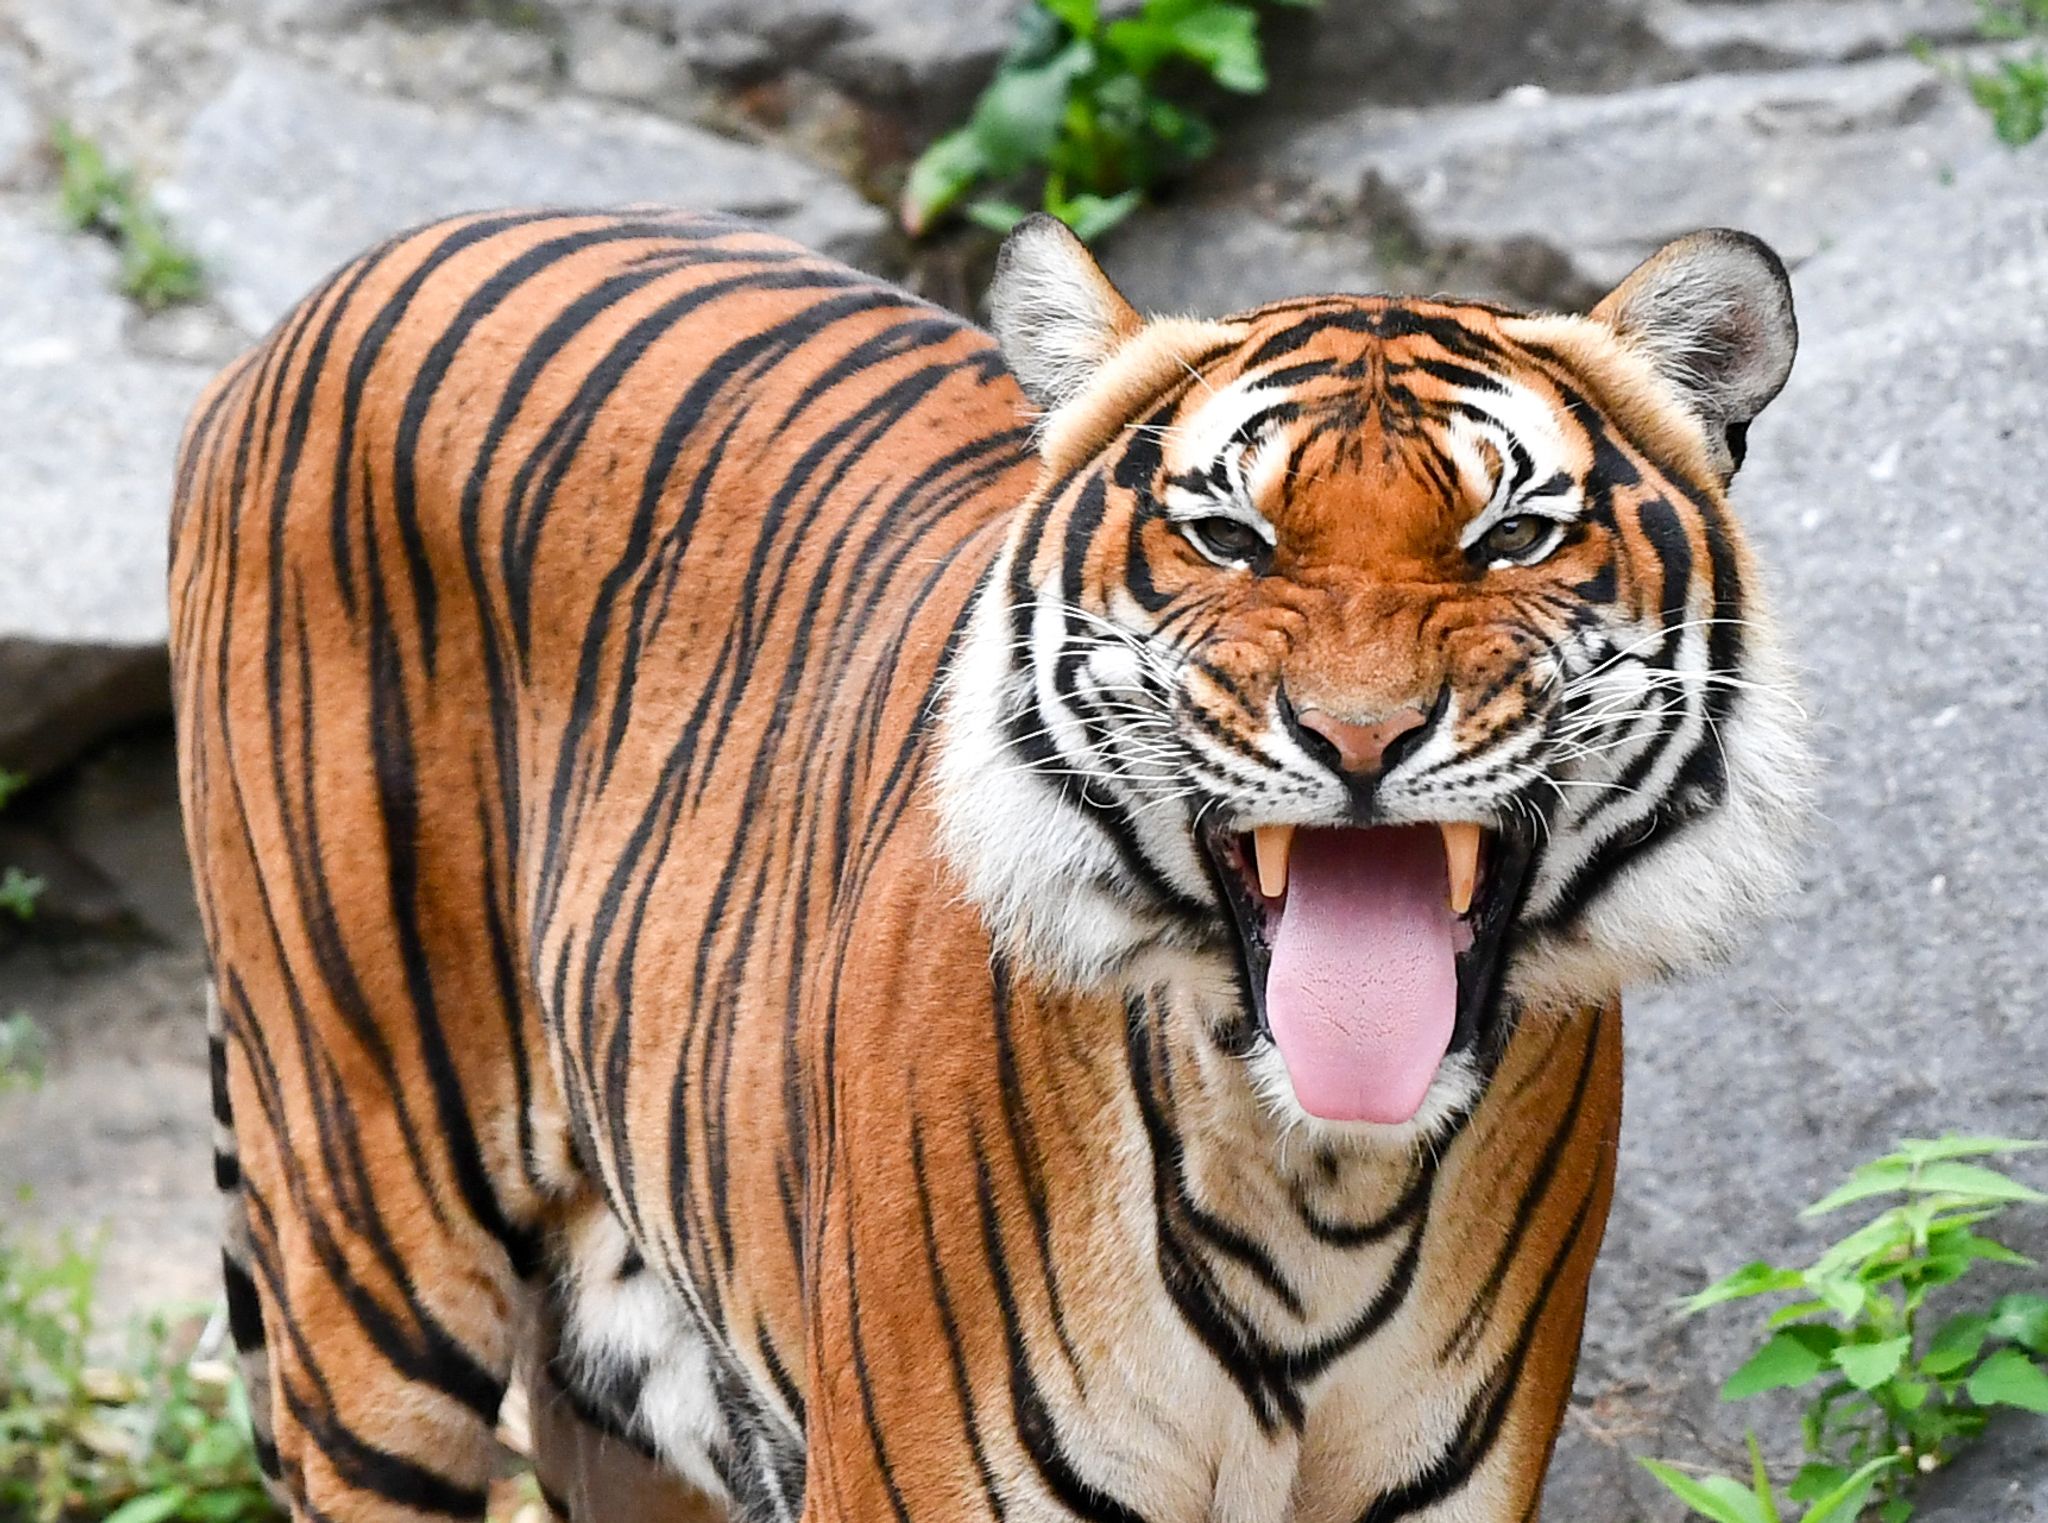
(1712, 311)
(1054, 312)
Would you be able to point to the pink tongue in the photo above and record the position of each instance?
(1362, 993)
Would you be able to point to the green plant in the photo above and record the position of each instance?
(1897, 1392)
(2014, 90)
(21, 1053)
(158, 1438)
(1095, 105)
(18, 891)
(95, 197)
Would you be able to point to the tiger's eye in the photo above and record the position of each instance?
(1515, 536)
(1225, 539)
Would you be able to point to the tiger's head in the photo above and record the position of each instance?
(1388, 668)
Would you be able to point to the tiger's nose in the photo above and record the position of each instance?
(1362, 747)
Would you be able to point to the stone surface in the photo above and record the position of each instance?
(1455, 50)
(617, 59)
(90, 432)
(925, 57)
(288, 173)
(20, 131)
(1895, 491)
(1550, 199)
(1718, 37)
(116, 1144)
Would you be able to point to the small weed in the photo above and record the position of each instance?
(158, 1438)
(18, 891)
(97, 198)
(2014, 91)
(21, 1039)
(1894, 1393)
(22, 1045)
(1096, 107)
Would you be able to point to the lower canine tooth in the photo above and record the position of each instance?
(1271, 845)
(1461, 856)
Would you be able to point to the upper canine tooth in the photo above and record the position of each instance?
(1271, 845)
(1461, 856)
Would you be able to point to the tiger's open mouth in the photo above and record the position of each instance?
(1370, 954)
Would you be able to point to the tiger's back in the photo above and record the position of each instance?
(455, 730)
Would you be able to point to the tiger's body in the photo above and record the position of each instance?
(671, 945)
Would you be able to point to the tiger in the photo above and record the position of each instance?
(879, 920)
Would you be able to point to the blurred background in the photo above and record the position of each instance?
(173, 173)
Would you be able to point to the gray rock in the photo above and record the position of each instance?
(1895, 489)
(1214, 252)
(620, 60)
(926, 58)
(20, 132)
(90, 46)
(324, 14)
(113, 1148)
(1709, 38)
(1799, 157)
(90, 434)
(1453, 50)
(1550, 199)
(287, 173)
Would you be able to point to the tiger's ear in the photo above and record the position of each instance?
(1054, 312)
(1712, 312)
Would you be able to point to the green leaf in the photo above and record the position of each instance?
(2023, 1319)
(1018, 116)
(1883, 1176)
(1845, 1298)
(942, 174)
(1224, 39)
(1847, 1499)
(1970, 1246)
(1186, 134)
(1816, 1480)
(996, 215)
(1884, 1236)
(151, 1506)
(1753, 1279)
(1897, 1510)
(1760, 1481)
(216, 1447)
(1972, 1179)
(1907, 1395)
(19, 892)
(1924, 1150)
(1714, 1496)
(231, 1505)
(1956, 1343)
(1079, 16)
(2009, 1379)
(1869, 1365)
(1090, 216)
(1796, 1312)
(1792, 1357)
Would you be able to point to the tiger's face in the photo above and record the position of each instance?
(1393, 666)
